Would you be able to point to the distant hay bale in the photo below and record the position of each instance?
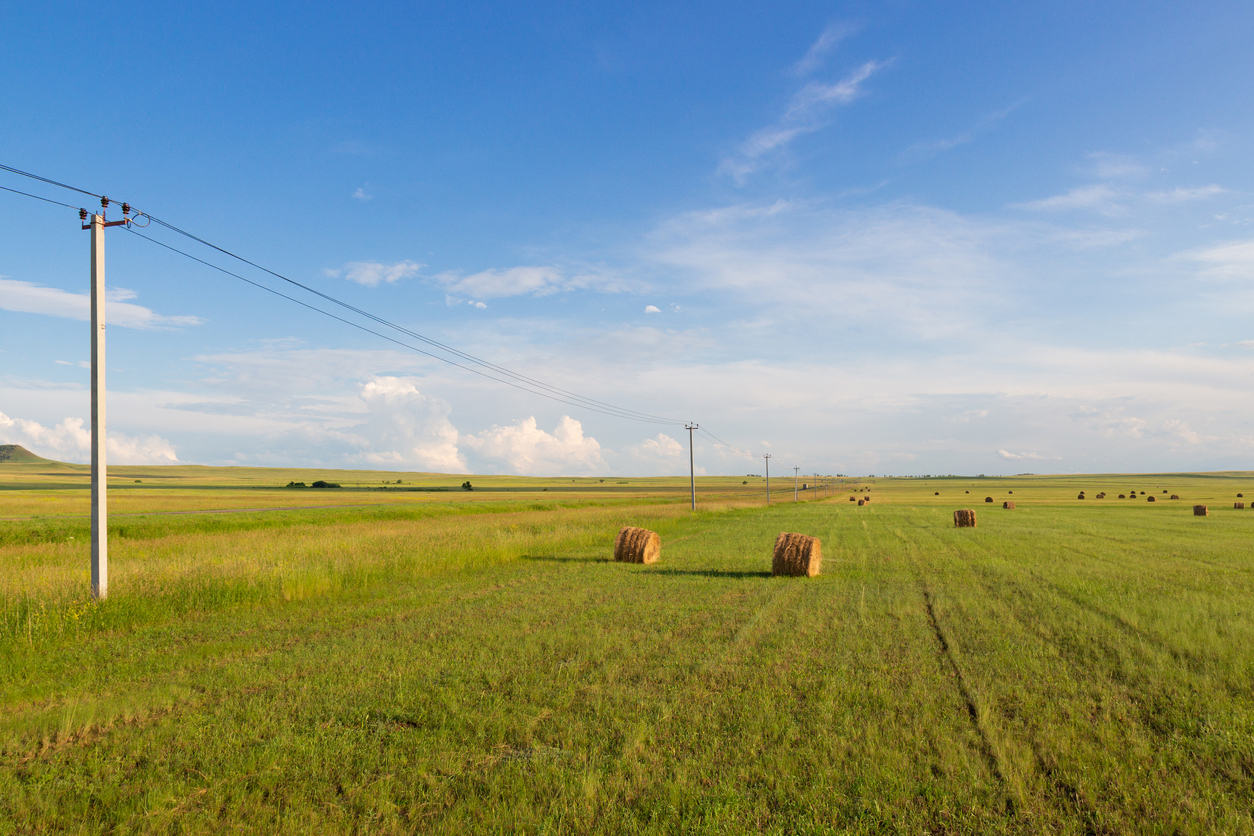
(1166, 491)
(1239, 496)
(861, 502)
(936, 494)
(1121, 496)
(1008, 505)
(1238, 505)
(867, 500)
(1149, 499)
(1175, 496)
(637, 545)
(1009, 491)
(1081, 496)
(853, 499)
(1199, 511)
(796, 555)
(988, 499)
(964, 518)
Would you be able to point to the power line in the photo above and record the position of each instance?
(37, 197)
(528, 384)
(361, 327)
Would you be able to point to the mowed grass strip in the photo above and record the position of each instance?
(1058, 669)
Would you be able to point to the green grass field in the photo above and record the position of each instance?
(456, 662)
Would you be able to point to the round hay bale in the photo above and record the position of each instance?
(966, 491)
(861, 502)
(1149, 499)
(853, 499)
(1008, 505)
(1166, 491)
(1238, 505)
(1239, 496)
(1121, 496)
(1175, 496)
(1199, 511)
(637, 545)
(964, 518)
(796, 555)
(1081, 496)
(1009, 491)
(988, 499)
(936, 494)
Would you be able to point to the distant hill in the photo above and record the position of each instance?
(17, 454)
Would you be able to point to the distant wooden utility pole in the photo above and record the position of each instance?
(767, 456)
(692, 468)
(99, 492)
(795, 471)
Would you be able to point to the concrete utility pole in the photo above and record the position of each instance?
(767, 456)
(692, 468)
(795, 471)
(99, 491)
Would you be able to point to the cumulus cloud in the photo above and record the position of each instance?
(374, 273)
(525, 449)
(27, 297)
(407, 428)
(69, 441)
(652, 309)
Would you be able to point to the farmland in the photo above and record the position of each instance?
(415, 657)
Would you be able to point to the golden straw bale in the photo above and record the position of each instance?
(964, 518)
(1238, 505)
(1121, 496)
(853, 499)
(1149, 499)
(1199, 511)
(988, 499)
(637, 545)
(861, 502)
(1008, 505)
(1175, 496)
(796, 555)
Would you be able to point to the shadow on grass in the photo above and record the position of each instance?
(550, 558)
(710, 573)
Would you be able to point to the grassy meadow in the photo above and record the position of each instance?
(397, 658)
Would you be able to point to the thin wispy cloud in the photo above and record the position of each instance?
(27, 297)
(808, 111)
(361, 194)
(817, 53)
(374, 273)
(986, 123)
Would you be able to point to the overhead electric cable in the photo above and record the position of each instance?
(529, 384)
(361, 327)
(37, 197)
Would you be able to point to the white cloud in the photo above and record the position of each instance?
(68, 441)
(373, 273)
(406, 428)
(983, 125)
(652, 309)
(26, 297)
(1036, 456)
(514, 281)
(525, 449)
(474, 304)
(361, 194)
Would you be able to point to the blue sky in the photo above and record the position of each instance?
(866, 238)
